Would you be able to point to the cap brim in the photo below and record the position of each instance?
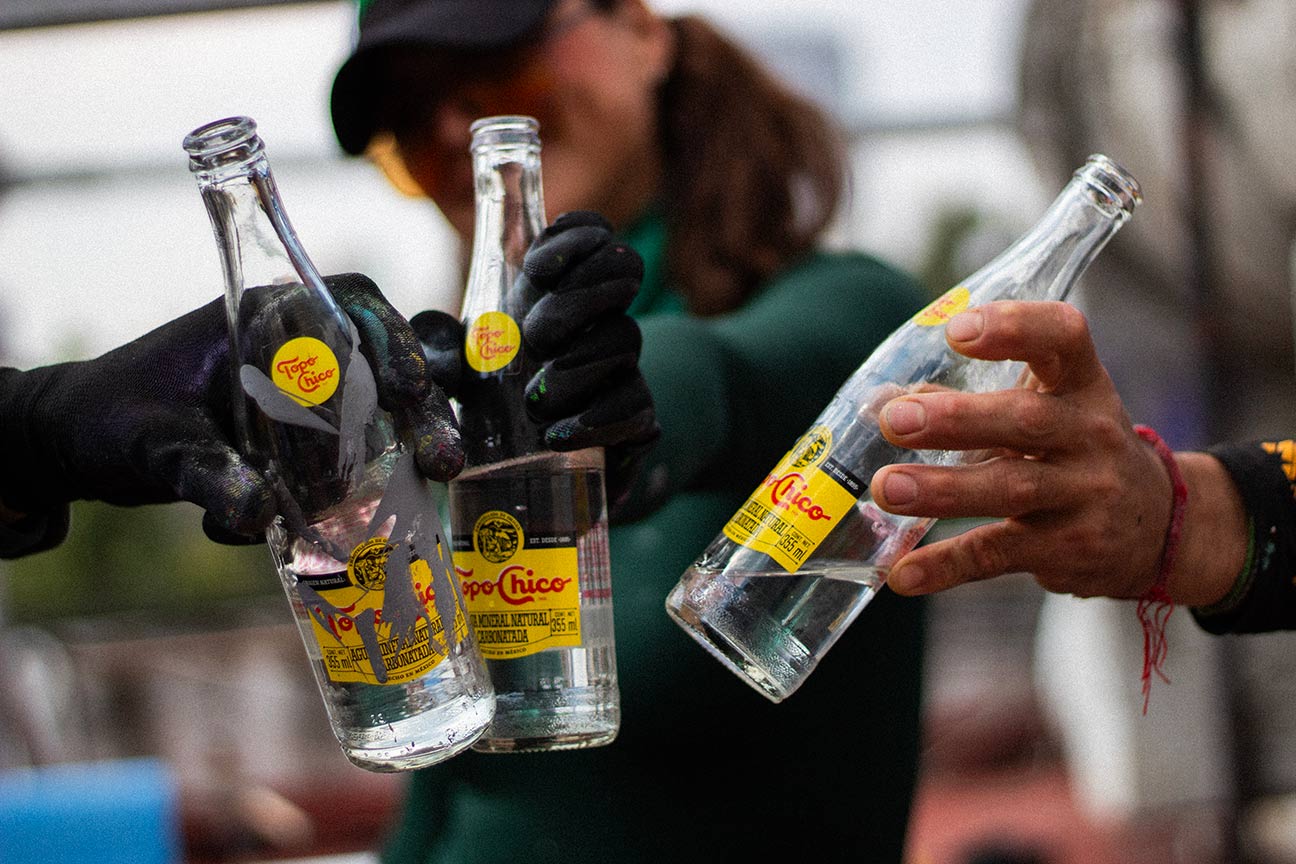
(461, 25)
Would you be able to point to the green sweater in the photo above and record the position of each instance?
(704, 768)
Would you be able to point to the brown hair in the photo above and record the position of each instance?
(753, 171)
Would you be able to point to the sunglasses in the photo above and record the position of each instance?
(418, 87)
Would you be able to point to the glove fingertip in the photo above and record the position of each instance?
(242, 509)
(441, 329)
(567, 434)
(253, 508)
(218, 533)
(432, 430)
(440, 457)
(235, 496)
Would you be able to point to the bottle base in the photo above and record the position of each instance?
(545, 743)
(743, 638)
(568, 719)
(419, 741)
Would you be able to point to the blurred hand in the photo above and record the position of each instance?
(1085, 503)
(151, 422)
(577, 283)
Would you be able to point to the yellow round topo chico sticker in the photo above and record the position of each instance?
(307, 370)
(943, 308)
(492, 341)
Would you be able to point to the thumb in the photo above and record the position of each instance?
(442, 337)
(201, 467)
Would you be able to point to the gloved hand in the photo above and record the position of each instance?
(151, 422)
(577, 283)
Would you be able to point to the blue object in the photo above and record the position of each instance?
(114, 812)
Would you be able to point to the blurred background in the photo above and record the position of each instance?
(140, 646)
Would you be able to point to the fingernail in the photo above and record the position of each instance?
(905, 417)
(965, 326)
(899, 488)
(439, 458)
(907, 579)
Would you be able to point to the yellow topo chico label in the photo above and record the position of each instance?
(801, 500)
(522, 593)
(346, 611)
(944, 307)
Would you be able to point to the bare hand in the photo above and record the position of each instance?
(1084, 502)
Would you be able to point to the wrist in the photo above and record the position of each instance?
(1263, 595)
(1241, 583)
(1157, 604)
(1215, 541)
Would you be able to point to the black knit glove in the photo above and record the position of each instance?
(577, 283)
(150, 422)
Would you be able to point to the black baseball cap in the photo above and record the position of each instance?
(460, 25)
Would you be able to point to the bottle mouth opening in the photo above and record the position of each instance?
(1114, 186)
(222, 142)
(506, 130)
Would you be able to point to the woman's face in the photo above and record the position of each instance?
(591, 82)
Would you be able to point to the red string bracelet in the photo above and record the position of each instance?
(1155, 606)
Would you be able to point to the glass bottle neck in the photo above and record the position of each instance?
(509, 216)
(257, 243)
(1096, 202)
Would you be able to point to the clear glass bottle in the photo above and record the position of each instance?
(357, 540)
(809, 549)
(530, 524)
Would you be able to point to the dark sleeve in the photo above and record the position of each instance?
(734, 391)
(1264, 596)
(34, 532)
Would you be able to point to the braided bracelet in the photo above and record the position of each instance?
(1155, 606)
